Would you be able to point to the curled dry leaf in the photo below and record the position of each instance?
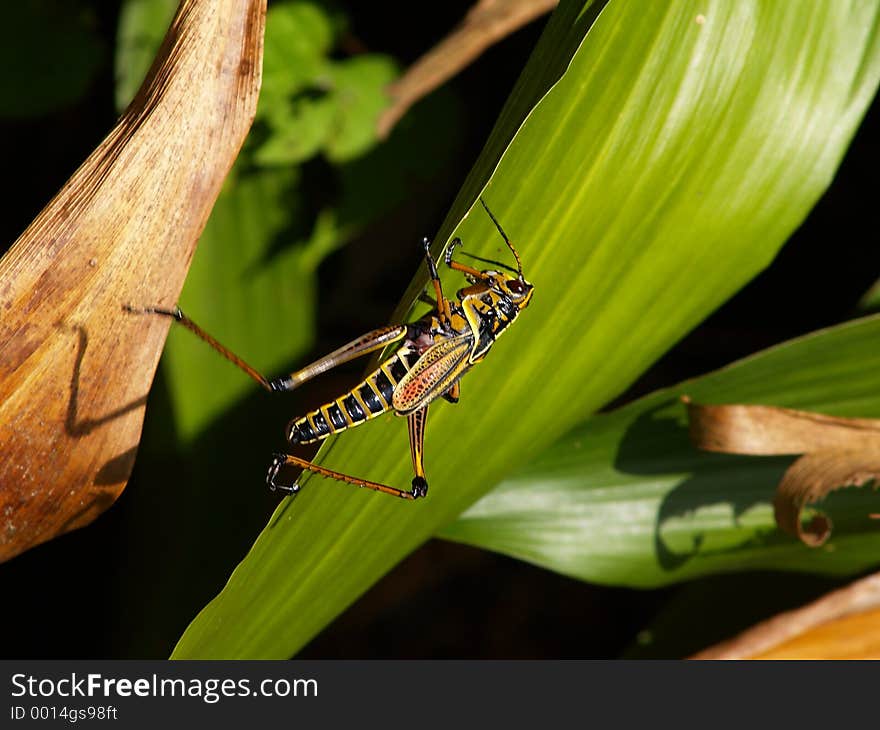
(811, 478)
(776, 637)
(837, 452)
(486, 23)
(75, 367)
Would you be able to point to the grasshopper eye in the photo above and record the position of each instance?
(516, 286)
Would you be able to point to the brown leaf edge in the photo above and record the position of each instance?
(859, 597)
(837, 452)
(75, 367)
(486, 23)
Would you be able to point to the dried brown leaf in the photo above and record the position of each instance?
(486, 23)
(838, 452)
(75, 368)
(838, 625)
(769, 430)
(810, 479)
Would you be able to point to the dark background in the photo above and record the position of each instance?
(104, 591)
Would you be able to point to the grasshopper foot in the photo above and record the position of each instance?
(419, 487)
(279, 460)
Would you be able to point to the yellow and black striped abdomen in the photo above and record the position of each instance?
(368, 399)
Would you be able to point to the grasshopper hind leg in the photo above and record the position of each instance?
(416, 428)
(281, 460)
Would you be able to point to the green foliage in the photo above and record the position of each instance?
(312, 103)
(33, 81)
(668, 164)
(625, 498)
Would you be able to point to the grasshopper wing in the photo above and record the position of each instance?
(437, 370)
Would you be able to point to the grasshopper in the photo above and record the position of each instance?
(435, 352)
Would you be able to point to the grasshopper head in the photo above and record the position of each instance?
(512, 286)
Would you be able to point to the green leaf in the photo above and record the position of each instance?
(626, 499)
(299, 36)
(294, 103)
(142, 26)
(309, 102)
(359, 86)
(663, 170)
(298, 130)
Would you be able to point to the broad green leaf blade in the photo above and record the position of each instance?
(626, 499)
(663, 170)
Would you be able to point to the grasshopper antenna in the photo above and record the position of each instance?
(504, 236)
